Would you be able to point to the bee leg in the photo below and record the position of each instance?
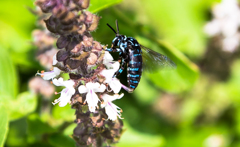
(113, 49)
(120, 69)
(109, 49)
(129, 90)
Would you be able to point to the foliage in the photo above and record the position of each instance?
(182, 107)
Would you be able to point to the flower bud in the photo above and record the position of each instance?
(51, 24)
(83, 4)
(46, 5)
(73, 64)
(62, 41)
(62, 55)
(96, 47)
(92, 59)
(72, 44)
(94, 23)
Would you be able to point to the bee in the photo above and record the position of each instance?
(136, 57)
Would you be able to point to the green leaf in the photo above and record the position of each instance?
(145, 98)
(26, 103)
(179, 22)
(60, 140)
(176, 80)
(3, 124)
(132, 138)
(69, 129)
(15, 33)
(98, 5)
(63, 113)
(8, 76)
(36, 126)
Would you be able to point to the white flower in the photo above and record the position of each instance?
(91, 97)
(112, 110)
(226, 22)
(66, 93)
(51, 74)
(107, 58)
(108, 61)
(114, 83)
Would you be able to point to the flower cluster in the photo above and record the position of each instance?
(226, 23)
(91, 87)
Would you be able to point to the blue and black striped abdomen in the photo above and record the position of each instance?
(134, 67)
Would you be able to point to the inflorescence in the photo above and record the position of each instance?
(91, 88)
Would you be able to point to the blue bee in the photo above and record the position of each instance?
(134, 54)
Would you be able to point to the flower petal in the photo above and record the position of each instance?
(82, 89)
(108, 74)
(107, 57)
(92, 100)
(51, 74)
(58, 82)
(115, 85)
(64, 98)
(112, 111)
(109, 98)
(101, 88)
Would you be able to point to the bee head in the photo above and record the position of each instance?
(117, 40)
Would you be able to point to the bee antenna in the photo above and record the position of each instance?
(112, 29)
(117, 27)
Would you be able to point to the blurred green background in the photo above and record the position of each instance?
(196, 105)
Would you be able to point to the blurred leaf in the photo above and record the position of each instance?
(63, 113)
(176, 80)
(17, 133)
(98, 5)
(69, 129)
(180, 22)
(143, 96)
(36, 126)
(198, 139)
(3, 124)
(234, 82)
(8, 76)
(25, 103)
(132, 138)
(15, 28)
(190, 111)
(60, 140)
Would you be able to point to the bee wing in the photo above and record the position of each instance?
(153, 60)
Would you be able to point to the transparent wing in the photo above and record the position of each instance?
(153, 60)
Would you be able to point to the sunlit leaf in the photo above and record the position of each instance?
(25, 103)
(63, 113)
(175, 80)
(97, 5)
(8, 76)
(3, 124)
(132, 138)
(16, 25)
(180, 22)
(69, 129)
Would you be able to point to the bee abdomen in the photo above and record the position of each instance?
(134, 74)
